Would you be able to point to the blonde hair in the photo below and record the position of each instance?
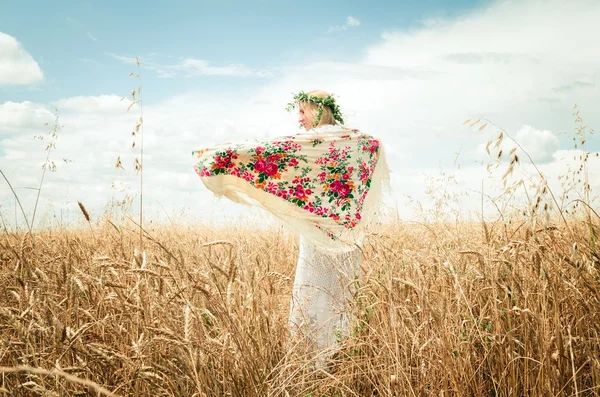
(310, 109)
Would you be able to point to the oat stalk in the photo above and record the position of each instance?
(51, 145)
(18, 201)
(504, 133)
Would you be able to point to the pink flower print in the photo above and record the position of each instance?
(350, 225)
(358, 216)
(205, 172)
(335, 217)
(345, 177)
(322, 176)
(310, 207)
(300, 192)
(260, 149)
(272, 187)
(345, 136)
(373, 145)
(365, 172)
(235, 172)
(223, 162)
(248, 176)
(260, 165)
(293, 162)
(308, 192)
(271, 169)
(273, 158)
(350, 169)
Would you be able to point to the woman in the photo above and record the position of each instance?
(325, 183)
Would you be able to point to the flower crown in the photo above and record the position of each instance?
(320, 102)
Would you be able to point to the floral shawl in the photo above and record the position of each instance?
(325, 183)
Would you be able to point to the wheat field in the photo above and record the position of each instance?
(500, 309)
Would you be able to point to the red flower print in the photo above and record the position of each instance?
(293, 162)
(344, 191)
(260, 165)
(335, 186)
(270, 169)
(260, 149)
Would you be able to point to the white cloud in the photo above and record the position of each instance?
(100, 104)
(17, 66)
(192, 67)
(202, 67)
(541, 145)
(16, 117)
(124, 59)
(351, 22)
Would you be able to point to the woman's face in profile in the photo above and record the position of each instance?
(304, 119)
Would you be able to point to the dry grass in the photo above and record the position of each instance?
(203, 312)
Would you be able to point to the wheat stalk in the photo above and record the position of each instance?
(56, 372)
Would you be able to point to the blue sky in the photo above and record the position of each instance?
(409, 72)
(72, 40)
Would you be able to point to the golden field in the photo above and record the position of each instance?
(441, 309)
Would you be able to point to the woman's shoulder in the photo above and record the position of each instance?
(331, 128)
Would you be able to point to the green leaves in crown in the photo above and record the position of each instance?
(327, 101)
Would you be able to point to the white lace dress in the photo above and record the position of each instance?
(323, 288)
